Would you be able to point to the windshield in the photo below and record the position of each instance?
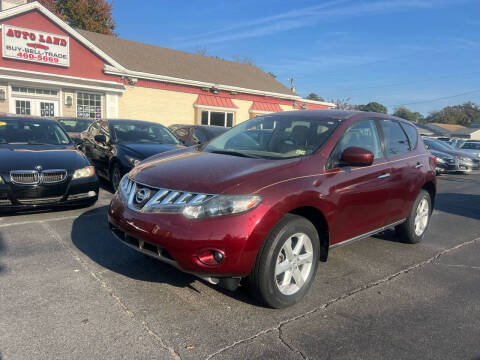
(438, 145)
(142, 133)
(275, 137)
(75, 125)
(32, 132)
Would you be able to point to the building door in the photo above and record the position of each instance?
(47, 108)
(23, 107)
(35, 101)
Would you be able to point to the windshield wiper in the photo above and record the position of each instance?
(235, 153)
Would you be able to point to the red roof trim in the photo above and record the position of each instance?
(309, 106)
(265, 107)
(216, 101)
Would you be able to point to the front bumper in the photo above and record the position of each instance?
(14, 197)
(467, 166)
(178, 241)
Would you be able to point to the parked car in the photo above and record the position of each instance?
(115, 146)
(196, 134)
(445, 163)
(471, 147)
(268, 198)
(40, 168)
(74, 126)
(465, 162)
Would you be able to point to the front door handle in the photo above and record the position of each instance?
(418, 166)
(384, 176)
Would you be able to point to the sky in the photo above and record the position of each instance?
(424, 54)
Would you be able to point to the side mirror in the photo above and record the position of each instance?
(357, 156)
(77, 141)
(101, 139)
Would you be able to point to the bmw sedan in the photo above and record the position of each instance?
(40, 168)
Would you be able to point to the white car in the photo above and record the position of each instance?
(471, 147)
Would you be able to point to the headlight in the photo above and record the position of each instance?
(132, 160)
(1, 180)
(440, 160)
(465, 159)
(86, 172)
(222, 205)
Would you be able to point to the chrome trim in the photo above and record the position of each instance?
(384, 176)
(162, 200)
(40, 201)
(418, 166)
(38, 176)
(363, 236)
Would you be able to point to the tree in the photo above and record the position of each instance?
(463, 114)
(373, 107)
(315, 97)
(272, 74)
(201, 50)
(405, 113)
(91, 15)
(243, 59)
(343, 104)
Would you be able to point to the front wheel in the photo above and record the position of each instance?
(115, 177)
(413, 229)
(287, 262)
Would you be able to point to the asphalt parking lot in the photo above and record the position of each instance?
(70, 290)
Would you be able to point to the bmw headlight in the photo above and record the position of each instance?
(133, 161)
(1, 180)
(86, 172)
(222, 205)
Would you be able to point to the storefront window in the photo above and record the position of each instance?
(22, 107)
(89, 105)
(217, 118)
(33, 91)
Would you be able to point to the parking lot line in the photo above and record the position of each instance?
(44, 220)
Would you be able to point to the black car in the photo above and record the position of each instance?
(115, 146)
(74, 126)
(196, 134)
(40, 167)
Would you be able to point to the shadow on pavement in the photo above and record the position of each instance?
(467, 205)
(91, 235)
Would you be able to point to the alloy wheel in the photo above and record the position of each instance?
(421, 217)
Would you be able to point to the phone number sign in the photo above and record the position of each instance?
(35, 46)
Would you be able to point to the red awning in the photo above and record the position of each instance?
(215, 101)
(309, 106)
(265, 107)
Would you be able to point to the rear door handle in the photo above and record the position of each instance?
(418, 166)
(384, 176)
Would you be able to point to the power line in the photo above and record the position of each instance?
(437, 99)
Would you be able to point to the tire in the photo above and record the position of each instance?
(282, 290)
(115, 177)
(414, 228)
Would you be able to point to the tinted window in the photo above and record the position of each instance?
(75, 125)
(471, 146)
(23, 131)
(137, 132)
(362, 134)
(199, 136)
(412, 135)
(396, 141)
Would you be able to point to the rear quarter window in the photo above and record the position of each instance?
(412, 135)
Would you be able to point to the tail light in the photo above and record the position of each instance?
(433, 162)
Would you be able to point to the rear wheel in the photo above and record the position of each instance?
(413, 229)
(287, 263)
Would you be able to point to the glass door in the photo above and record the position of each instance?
(23, 107)
(47, 109)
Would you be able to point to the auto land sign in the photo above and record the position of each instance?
(35, 46)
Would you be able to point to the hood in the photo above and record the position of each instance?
(143, 151)
(21, 157)
(196, 171)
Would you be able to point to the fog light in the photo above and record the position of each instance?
(91, 193)
(210, 257)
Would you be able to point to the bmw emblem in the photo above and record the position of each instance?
(142, 195)
(39, 168)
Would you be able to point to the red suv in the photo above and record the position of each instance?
(269, 198)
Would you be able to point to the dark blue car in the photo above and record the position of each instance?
(115, 146)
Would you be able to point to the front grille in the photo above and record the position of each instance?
(141, 197)
(40, 201)
(27, 177)
(33, 177)
(53, 176)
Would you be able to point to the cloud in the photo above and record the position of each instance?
(308, 16)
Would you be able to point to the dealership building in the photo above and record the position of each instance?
(48, 68)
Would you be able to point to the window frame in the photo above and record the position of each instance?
(94, 94)
(225, 112)
(328, 164)
(403, 125)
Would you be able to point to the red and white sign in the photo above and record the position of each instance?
(35, 46)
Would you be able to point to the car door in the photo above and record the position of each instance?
(405, 168)
(360, 193)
